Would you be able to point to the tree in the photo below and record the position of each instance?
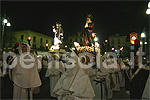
(9, 38)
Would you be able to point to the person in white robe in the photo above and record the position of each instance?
(146, 93)
(98, 83)
(54, 71)
(45, 62)
(74, 84)
(24, 73)
(84, 61)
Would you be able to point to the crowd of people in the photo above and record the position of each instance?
(72, 79)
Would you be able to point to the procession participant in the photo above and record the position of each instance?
(110, 84)
(74, 84)
(45, 62)
(146, 93)
(54, 71)
(24, 73)
(109, 80)
(98, 82)
(127, 79)
(138, 79)
(115, 76)
(85, 62)
(121, 73)
(44, 68)
(1, 66)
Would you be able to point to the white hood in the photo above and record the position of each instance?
(20, 48)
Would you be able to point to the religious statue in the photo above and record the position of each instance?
(87, 30)
(58, 36)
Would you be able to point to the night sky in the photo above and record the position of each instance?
(110, 17)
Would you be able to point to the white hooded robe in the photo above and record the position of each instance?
(74, 84)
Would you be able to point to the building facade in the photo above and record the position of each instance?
(116, 41)
(38, 40)
(74, 38)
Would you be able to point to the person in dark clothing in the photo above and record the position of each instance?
(127, 80)
(137, 80)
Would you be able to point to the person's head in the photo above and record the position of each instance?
(136, 60)
(83, 60)
(55, 57)
(87, 59)
(24, 48)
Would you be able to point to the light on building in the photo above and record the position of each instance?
(65, 46)
(121, 48)
(142, 35)
(8, 24)
(113, 49)
(5, 21)
(106, 40)
(116, 50)
(141, 42)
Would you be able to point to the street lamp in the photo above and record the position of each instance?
(4, 23)
(29, 41)
(121, 50)
(148, 10)
(8, 24)
(143, 36)
(145, 42)
(95, 39)
(106, 44)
